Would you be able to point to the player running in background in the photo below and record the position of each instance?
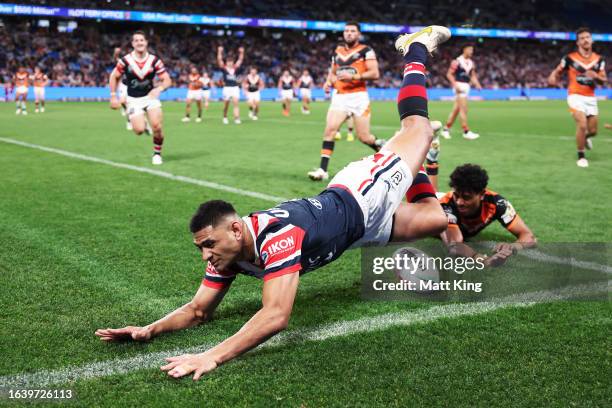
(471, 207)
(21, 83)
(252, 86)
(194, 93)
(305, 83)
(231, 90)
(140, 69)
(361, 207)
(352, 65)
(585, 69)
(207, 85)
(122, 91)
(286, 84)
(461, 74)
(40, 80)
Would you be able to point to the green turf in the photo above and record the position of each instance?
(85, 245)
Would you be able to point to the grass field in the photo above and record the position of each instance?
(85, 245)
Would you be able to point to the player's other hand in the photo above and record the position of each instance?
(241, 50)
(114, 102)
(505, 247)
(552, 80)
(220, 48)
(591, 74)
(198, 364)
(154, 94)
(124, 334)
(498, 258)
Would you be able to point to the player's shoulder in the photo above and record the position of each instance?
(491, 196)
(447, 198)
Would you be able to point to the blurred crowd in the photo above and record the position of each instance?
(549, 15)
(84, 57)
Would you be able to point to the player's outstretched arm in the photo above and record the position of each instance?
(524, 237)
(553, 78)
(220, 61)
(453, 239)
(240, 57)
(199, 310)
(278, 296)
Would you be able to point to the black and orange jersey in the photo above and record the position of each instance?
(493, 207)
(40, 79)
(22, 79)
(195, 82)
(577, 65)
(352, 60)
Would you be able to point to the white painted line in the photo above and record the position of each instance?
(90, 371)
(543, 257)
(158, 173)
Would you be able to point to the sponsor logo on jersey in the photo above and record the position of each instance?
(281, 245)
(316, 203)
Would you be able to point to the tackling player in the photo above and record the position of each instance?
(21, 82)
(252, 85)
(285, 91)
(140, 69)
(471, 207)
(361, 206)
(585, 69)
(461, 74)
(305, 85)
(194, 93)
(40, 80)
(231, 90)
(352, 65)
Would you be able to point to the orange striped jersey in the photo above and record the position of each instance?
(40, 79)
(22, 79)
(577, 65)
(493, 207)
(351, 60)
(195, 82)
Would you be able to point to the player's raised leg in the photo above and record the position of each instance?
(422, 216)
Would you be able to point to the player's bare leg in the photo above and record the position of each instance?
(350, 125)
(362, 128)
(286, 107)
(452, 116)
(199, 105)
(139, 123)
(225, 109)
(592, 125)
(236, 111)
(463, 115)
(206, 102)
(305, 105)
(187, 111)
(581, 132)
(334, 121)
(155, 119)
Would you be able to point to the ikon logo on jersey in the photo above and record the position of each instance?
(281, 245)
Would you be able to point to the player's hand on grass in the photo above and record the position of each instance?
(499, 257)
(124, 334)
(114, 102)
(198, 364)
(505, 246)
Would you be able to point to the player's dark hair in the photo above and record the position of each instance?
(139, 32)
(470, 178)
(353, 23)
(209, 214)
(467, 45)
(582, 30)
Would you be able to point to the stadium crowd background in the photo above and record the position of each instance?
(84, 57)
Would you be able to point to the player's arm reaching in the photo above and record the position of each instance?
(278, 297)
(240, 57)
(261, 84)
(524, 237)
(453, 239)
(220, 61)
(165, 83)
(199, 310)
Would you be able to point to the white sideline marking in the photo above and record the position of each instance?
(541, 256)
(158, 173)
(46, 378)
